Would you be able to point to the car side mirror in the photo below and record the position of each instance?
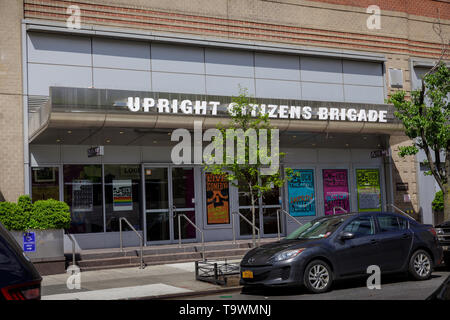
(346, 235)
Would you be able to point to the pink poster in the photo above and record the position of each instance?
(335, 190)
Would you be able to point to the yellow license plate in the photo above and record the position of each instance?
(247, 274)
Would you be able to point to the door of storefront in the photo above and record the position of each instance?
(169, 191)
(265, 212)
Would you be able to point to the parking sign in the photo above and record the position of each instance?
(29, 242)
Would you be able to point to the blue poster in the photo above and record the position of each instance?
(29, 242)
(301, 193)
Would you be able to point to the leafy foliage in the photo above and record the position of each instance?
(438, 202)
(426, 118)
(49, 214)
(43, 214)
(244, 116)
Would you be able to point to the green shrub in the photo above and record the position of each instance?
(438, 202)
(49, 214)
(43, 214)
(12, 217)
(24, 202)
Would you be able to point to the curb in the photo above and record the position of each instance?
(189, 294)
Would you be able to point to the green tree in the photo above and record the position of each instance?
(256, 161)
(426, 118)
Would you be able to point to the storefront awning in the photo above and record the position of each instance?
(87, 110)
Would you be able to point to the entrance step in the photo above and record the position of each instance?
(163, 254)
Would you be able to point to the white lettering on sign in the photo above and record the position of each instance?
(201, 107)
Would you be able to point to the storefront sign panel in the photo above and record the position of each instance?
(82, 196)
(217, 199)
(122, 195)
(335, 190)
(369, 191)
(301, 193)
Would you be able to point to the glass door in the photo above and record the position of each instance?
(168, 192)
(157, 204)
(270, 205)
(265, 211)
(183, 199)
(245, 208)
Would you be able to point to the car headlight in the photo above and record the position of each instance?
(440, 234)
(287, 254)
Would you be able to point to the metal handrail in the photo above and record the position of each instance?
(287, 214)
(248, 221)
(340, 208)
(179, 215)
(400, 210)
(73, 247)
(141, 242)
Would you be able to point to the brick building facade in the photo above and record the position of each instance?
(406, 41)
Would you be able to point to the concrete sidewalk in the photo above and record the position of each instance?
(158, 281)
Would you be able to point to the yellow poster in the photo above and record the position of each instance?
(217, 199)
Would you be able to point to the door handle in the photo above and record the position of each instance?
(406, 236)
(373, 241)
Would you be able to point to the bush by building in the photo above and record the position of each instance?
(43, 214)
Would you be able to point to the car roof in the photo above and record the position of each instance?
(368, 213)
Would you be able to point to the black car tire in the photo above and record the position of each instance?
(420, 265)
(321, 271)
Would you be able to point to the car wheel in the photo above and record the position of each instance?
(420, 265)
(318, 276)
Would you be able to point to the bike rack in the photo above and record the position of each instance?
(141, 242)
(215, 271)
(248, 221)
(288, 215)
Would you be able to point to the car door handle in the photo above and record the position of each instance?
(406, 236)
(373, 241)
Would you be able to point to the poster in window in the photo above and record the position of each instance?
(217, 199)
(335, 190)
(301, 193)
(122, 195)
(82, 196)
(369, 191)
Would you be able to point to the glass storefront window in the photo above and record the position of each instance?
(83, 193)
(301, 193)
(122, 195)
(369, 190)
(45, 183)
(335, 190)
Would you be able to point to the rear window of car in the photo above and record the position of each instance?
(391, 223)
(361, 226)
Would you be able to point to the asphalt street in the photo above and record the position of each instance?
(393, 287)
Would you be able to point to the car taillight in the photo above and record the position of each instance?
(23, 291)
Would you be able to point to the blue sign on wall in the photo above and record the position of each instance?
(301, 193)
(29, 242)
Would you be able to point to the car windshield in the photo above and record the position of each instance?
(317, 229)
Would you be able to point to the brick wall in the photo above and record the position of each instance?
(313, 23)
(404, 170)
(11, 128)
(425, 8)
